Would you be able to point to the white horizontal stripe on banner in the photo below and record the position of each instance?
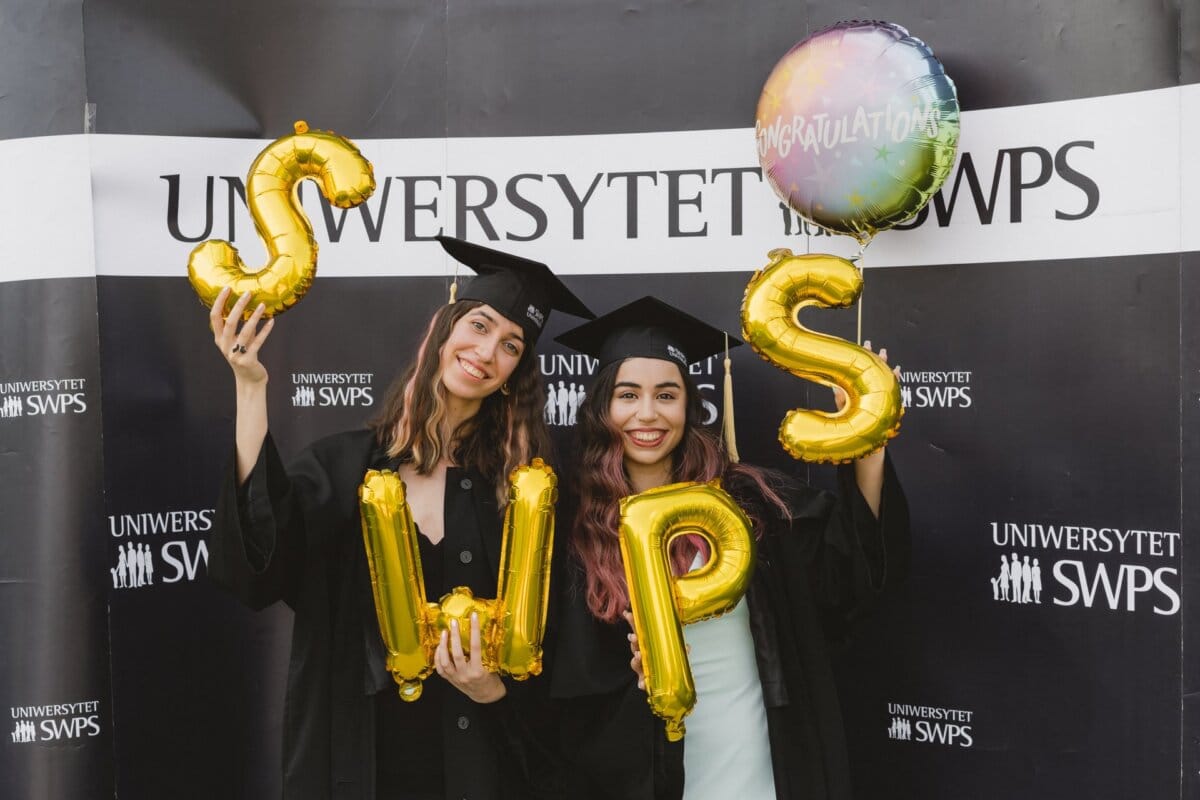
(1189, 167)
(1104, 176)
(46, 209)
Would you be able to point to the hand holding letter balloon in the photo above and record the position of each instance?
(770, 324)
(467, 673)
(240, 347)
(505, 632)
(662, 603)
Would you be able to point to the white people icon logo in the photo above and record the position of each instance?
(563, 402)
(901, 729)
(24, 731)
(11, 406)
(304, 396)
(135, 567)
(1019, 581)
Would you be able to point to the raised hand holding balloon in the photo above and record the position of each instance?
(857, 127)
(873, 408)
(346, 179)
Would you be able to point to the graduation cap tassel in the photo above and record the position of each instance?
(453, 291)
(727, 429)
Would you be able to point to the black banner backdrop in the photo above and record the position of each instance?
(1048, 401)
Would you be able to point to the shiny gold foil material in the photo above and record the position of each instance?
(346, 179)
(511, 626)
(662, 603)
(774, 298)
(396, 580)
(459, 604)
(524, 582)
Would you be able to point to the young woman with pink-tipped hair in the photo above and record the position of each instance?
(766, 723)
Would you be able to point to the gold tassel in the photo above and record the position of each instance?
(454, 285)
(727, 429)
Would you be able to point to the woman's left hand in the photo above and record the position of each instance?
(868, 470)
(468, 675)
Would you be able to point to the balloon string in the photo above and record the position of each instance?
(858, 263)
(860, 305)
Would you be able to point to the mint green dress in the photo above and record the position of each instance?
(726, 751)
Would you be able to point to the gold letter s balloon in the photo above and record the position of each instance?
(511, 626)
(346, 179)
(770, 324)
(662, 602)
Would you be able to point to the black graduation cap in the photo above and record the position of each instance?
(647, 328)
(524, 291)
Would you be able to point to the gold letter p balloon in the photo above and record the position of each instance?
(662, 602)
(510, 626)
(346, 179)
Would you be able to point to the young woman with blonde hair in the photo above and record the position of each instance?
(465, 412)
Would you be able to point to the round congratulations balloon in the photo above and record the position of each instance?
(857, 127)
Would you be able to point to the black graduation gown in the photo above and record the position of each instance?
(813, 578)
(295, 535)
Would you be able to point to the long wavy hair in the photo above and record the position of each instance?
(506, 432)
(601, 482)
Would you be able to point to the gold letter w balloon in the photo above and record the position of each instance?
(873, 409)
(511, 625)
(662, 602)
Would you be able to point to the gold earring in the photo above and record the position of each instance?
(504, 389)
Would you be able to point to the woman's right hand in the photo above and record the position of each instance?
(240, 347)
(635, 663)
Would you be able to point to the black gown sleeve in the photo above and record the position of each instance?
(258, 543)
(850, 557)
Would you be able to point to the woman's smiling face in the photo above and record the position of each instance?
(649, 408)
(480, 353)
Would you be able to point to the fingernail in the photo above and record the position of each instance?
(453, 623)
(474, 616)
(261, 307)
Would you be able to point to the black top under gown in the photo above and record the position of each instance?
(409, 767)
